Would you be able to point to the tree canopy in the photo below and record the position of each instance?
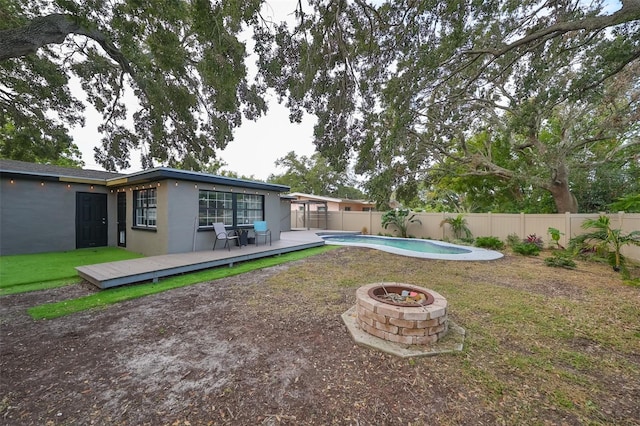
(406, 86)
(33, 145)
(313, 175)
(183, 61)
(516, 97)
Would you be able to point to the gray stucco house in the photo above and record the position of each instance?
(158, 211)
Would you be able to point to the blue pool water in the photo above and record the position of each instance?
(414, 247)
(422, 246)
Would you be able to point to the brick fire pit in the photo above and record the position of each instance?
(421, 320)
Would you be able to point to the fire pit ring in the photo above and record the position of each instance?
(407, 295)
(406, 323)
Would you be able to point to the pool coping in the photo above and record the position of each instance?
(475, 253)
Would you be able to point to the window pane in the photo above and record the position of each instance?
(214, 206)
(145, 207)
(250, 208)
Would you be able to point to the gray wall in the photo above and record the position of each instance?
(177, 230)
(183, 215)
(149, 242)
(36, 218)
(184, 211)
(285, 215)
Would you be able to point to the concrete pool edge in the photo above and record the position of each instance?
(474, 254)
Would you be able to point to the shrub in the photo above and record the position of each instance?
(555, 236)
(513, 239)
(629, 203)
(560, 259)
(401, 219)
(493, 243)
(527, 249)
(534, 239)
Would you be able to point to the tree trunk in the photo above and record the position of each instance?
(559, 188)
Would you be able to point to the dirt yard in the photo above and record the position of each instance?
(269, 347)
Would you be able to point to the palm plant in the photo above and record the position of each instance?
(628, 203)
(606, 240)
(458, 226)
(401, 219)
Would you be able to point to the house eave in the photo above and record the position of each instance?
(162, 173)
(12, 174)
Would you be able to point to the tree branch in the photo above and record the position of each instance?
(630, 11)
(53, 29)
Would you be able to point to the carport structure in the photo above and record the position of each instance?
(308, 218)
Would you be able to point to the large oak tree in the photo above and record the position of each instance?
(405, 84)
(401, 84)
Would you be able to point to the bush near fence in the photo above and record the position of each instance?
(498, 225)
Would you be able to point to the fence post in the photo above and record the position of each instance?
(523, 225)
(567, 226)
(620, 219)
(490, 223)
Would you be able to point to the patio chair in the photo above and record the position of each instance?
(260, 229)
(223, 234)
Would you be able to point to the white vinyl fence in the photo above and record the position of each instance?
(481, 225)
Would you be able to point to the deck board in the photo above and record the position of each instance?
(112, 274)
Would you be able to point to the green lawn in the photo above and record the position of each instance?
(31, 272)
(53, 262)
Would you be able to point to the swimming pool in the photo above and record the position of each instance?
(426, 249)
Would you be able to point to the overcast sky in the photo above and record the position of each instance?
(256, 145)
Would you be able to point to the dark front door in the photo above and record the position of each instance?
(91, 220)
(122, 219)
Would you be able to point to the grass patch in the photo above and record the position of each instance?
(120, 294)
(538, 340)
(42, 285)
(31, 272)
(543, 345)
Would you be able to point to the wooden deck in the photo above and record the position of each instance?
(112, 274)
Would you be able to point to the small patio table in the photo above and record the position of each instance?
(243, 236)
